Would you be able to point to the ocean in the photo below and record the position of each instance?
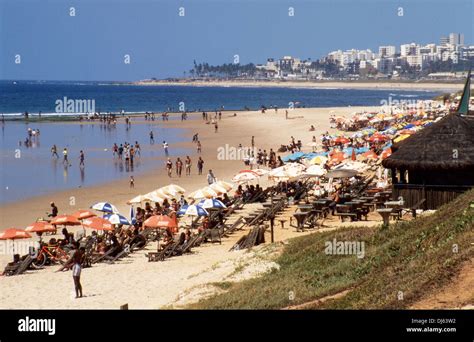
(33, 97)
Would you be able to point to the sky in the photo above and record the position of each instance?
(91, 46)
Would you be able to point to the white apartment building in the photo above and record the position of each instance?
(409, 49)
(387, 51)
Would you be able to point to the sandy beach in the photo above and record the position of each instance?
(381, 85)
(134, 280)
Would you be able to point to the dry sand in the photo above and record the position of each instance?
(389, 85)
(161, 284)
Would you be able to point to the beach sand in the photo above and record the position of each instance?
(134, 280)
(381, 85)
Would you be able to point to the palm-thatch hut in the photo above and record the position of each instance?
(437, 163)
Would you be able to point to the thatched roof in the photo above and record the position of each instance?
(437, 146)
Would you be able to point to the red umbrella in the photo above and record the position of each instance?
(341, 140)
(386, 153)
(370, 154)
(65, 220)
(160, 221)
(378, 138)
(98, 223)
(40, 227)
(14, 234)
(83, 214)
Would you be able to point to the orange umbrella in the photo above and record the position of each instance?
(378, 138)
(341, 140)
(386, 153)
(338, 157)
(65, 220)
(83, 214)
(160, 221)
(14, 234)
(98, 223)
(407, 131)
(370, 154)
(40, 227)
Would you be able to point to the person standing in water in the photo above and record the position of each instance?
(65, 160)
(54, 151)
(81, 158)
(152, 138)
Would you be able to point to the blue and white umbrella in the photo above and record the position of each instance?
(117, 219)
(192, 210)
(211, 203)
(105, 207)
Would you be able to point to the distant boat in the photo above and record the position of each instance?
(14, 82)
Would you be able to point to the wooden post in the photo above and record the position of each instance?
(272, 221)
(124, 307)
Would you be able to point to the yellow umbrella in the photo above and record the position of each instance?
(318, 160)
(401, 137)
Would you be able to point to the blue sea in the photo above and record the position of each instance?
(33, 97)
(30, 171)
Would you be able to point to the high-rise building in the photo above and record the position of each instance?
(444, 41)
(409, 49)
(456, 39)
(387, 51)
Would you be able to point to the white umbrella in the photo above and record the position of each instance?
(315, 170)
(243, 177)
(218, 188)
(226, 185)
(261, 172)
(153, 197)
(202, 193)
(173, 188)
(105, 207)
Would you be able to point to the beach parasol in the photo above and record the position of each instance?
(83, 214)
(226, 185)
(105, 207)
(370, 154)
(318, 160)
(65, 220)
(117, 219)
(261, 172)
(153, 197)
(341, 173)
(386, 153)
(160, 221)
(97, 223)
(315, 170)
(175, 188)
(341, 140)
(205, 192)
(40, 227)
(137, 199)
(218, 189)
(338, 157)
(192, 210)
(245, 176)
(14, 234)
(211, 203)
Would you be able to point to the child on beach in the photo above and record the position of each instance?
(132, 182)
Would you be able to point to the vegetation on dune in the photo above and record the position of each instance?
(401, 264)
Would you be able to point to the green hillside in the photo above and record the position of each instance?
(401, 264)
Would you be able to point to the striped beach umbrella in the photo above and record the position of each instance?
(117, 219)
(211, 203)
(105, 207)
(14, 234)
(192, 210)
(160, 221)
(65, 220)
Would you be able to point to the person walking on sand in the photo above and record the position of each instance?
(200, 164)
(81, 158)
(187, 165)
(54, 152)
(165, 146)
(199, 147)
(65, 160)
(211, 178)
(152, 138)
(216, 127)
(132, 182)
(169, 166)
(179, 167)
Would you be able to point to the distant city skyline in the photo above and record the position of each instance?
(42, 41)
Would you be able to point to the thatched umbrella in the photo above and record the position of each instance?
(445, 145)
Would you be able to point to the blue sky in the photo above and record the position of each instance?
(91, 46)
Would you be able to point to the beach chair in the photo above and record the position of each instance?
(213, 234)
(99, 257)
(19, 267)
